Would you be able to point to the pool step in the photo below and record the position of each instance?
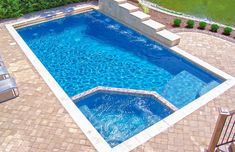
(207, 87)
(149, 27)
(133, 17)
(124, 13)
(86, 110)
(120, 1)
(167, 37)
(140, 16)
(179, 95)
(128, 7)
(153, 25)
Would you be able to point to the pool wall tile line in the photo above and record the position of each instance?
(136, 19)
(99, 143)
(126, 91)
(37, 20)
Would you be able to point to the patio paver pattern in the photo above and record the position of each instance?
(193, 133)
(36, 121)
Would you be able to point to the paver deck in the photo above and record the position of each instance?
(36, 121)
(193, 132)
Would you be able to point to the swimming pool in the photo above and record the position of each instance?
(90, 49)
(64, 47)
(119, 116)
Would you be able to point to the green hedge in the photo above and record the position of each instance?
(177, 22)
(214, 27)
(227, 30)
(16, 8)
(190, 23)
(202, 25)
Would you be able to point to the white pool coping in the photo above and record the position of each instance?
(96, 139)
(153, 94)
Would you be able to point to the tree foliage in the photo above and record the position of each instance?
(16, 8)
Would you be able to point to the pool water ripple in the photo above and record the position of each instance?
(90, 49)
(118, 117)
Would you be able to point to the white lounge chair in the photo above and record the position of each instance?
(8, 89)
(1, 61)
(4, 73)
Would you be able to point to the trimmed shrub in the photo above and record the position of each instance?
(227, 30)
(144, 8)
(214, 27)
(202, 25)
(190, 23)
(177, 22)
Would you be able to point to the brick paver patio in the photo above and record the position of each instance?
(36, 121)
(193, 132)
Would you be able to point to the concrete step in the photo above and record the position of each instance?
(168, 38)
(153, 25)
(129, 7)
(174, 92)
(149, 27)
(140, 16)
(120, 1)
(130, 15)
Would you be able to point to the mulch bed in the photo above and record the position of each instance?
(167, 20)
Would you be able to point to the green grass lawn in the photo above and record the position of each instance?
(222, 11)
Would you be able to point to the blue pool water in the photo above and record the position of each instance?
(90, 49)
(118, 117)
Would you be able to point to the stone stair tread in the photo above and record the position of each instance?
(129, 7)
(168, 35)
(155, 25)
(141, 15)
(120, 1)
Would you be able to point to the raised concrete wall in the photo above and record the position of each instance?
(134, 18)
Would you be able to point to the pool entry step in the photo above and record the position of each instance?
(133, 17)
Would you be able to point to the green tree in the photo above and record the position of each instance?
(10, 8)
